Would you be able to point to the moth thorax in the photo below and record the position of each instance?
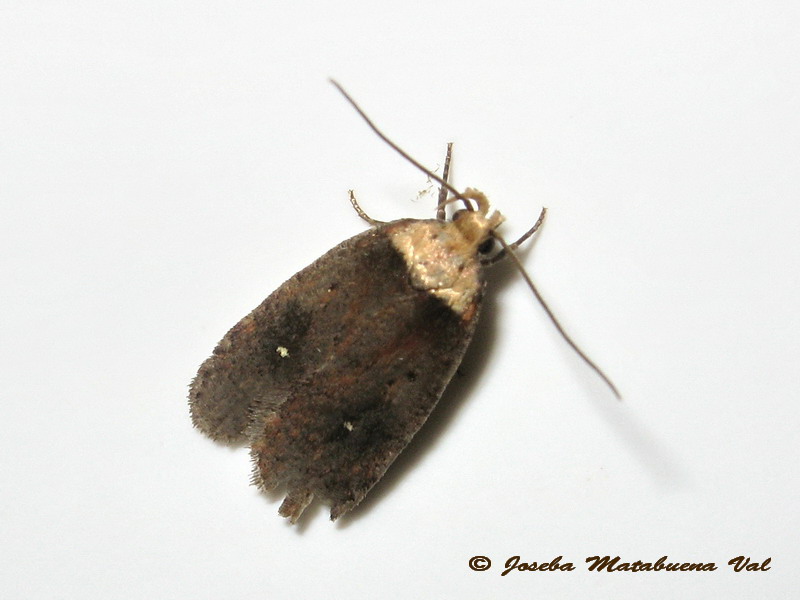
(439, 260)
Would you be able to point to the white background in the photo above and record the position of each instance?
(165, 165)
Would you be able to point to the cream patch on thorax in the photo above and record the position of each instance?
(439, 260)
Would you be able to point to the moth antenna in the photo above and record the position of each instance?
(440, 214)
(510, 253)
(399, 150)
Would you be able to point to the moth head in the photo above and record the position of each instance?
(477, 226)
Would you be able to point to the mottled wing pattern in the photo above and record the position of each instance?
(333, 374)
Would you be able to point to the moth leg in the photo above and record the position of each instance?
(360, 211)
(440, 215)
(294, 504)
(502, 254)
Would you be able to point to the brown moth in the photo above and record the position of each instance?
(333, 374)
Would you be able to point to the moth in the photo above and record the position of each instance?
(330, 377)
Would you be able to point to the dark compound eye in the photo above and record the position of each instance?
(457, 215)
(486, 246)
